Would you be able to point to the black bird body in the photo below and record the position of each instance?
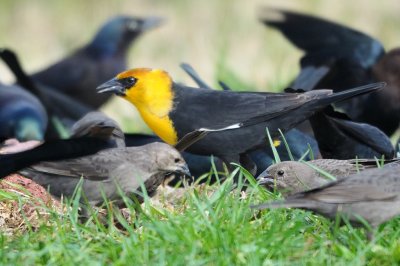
(263, 110)
(58, 149)
(22, 115)
(89, 135)
(56, 104)
(340, 138)
(298, 142)
(82, 71)
(78, 74)
(339, 57)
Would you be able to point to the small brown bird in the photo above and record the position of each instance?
(105, 171)
(291, 177)
(373, 195)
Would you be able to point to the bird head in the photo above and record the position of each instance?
(97, 124)
(147, 89)
(287, 176)
(117, 34)
(152, 93)
(167, 159)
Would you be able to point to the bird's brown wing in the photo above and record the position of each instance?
(94, 167)
(369, 185)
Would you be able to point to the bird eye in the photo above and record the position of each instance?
(131, 80)
(132, 25)
(177, 160)
(281, 173)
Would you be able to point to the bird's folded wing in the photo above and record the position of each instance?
(82, 167)
(366, 134)
(355, 190)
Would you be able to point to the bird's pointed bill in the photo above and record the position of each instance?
(265, 180)
(112, 86)
(152, 22)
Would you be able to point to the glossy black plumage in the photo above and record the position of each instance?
(339, 57)
(22, 115)
(253, 111)
(298, 142)
(57, 105)
(50, 150)
(78, 74)
(340, 138)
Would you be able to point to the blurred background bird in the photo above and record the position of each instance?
(22, 115)
(78, 74)
(339, 57)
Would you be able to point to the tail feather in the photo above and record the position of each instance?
(347, 94)
(289, 203)
(50, 151)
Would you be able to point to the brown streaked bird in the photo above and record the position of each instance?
(172, 110)
(373, 195)
(339, 57)
(108, 170)
(291, 177)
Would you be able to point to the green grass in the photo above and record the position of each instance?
(210, 225)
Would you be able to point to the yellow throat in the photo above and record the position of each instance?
(153, 96)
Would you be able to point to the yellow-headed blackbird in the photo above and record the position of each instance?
(96, 62)
(172, 110)
(340, 57)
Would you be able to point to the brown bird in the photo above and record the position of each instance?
(291, 177)
(373, 195)
(105, 171)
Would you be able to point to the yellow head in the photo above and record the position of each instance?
(150, 90)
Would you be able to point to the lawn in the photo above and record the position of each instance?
(198, 225)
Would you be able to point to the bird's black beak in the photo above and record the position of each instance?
(184, 170)
(151, 22)
(112, 86)
(265, 179)
(179, 171)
